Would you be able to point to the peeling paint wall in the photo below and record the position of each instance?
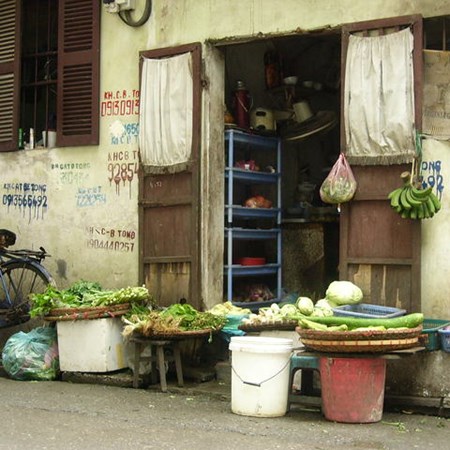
(81, 203)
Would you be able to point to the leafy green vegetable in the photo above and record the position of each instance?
(175, 318)
(84, 294)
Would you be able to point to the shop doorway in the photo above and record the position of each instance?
(309, 227)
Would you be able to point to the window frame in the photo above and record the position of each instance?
(78, 88)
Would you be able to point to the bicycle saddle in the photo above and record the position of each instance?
(7, 238)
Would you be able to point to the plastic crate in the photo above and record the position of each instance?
(445, 339)
(368, 311)
(430, 336)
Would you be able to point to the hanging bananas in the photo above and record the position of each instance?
(413, 203)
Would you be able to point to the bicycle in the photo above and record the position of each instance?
(21, 274)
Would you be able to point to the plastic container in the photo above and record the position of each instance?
(352, 389)
(368, 311)
(430, 336)
(260, 375)
(445, 339)
(252, 261)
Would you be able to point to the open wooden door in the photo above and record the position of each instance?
(380, 251)
(169, 219)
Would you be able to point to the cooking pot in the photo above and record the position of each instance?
(262, 119)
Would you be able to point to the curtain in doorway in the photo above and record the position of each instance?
(165, 117)
(379, 99)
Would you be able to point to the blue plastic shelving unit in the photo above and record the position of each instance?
(254, 143)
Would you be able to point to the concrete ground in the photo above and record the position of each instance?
(72, 415)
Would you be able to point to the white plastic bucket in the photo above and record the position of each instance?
(260, 375)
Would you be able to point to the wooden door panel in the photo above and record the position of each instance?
(377, 231)
(169, 218)
(379, 251)
(167, 232)
(385, 284)
(166, 189)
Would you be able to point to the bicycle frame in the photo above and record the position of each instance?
(21, 271)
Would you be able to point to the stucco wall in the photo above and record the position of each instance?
(90, 223)
(85, 212)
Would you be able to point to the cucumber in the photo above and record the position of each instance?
(409, 321)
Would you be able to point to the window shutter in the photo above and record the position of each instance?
(78, 73)
(9, 74)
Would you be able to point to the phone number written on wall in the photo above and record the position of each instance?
(111, 239)
(120, 103)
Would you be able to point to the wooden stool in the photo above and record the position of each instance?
(157, 359)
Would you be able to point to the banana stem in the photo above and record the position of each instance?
(406, 177)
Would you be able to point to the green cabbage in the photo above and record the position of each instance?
(288, 310)
(343, 293)
(305, 305)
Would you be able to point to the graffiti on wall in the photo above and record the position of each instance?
(112, 239)
(124, 133)
(432, 176)
(120, 103)
(122, 169)
(26, 197)
(72, 173)
(90, 196)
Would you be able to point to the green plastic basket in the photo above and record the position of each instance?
(432, 340)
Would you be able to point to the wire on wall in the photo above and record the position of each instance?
(129, 20)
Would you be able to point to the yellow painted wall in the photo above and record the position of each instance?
(435, 233)
(90, 223)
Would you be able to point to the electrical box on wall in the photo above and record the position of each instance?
(114, 6)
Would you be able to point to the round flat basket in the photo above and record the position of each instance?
(88, 313)
(289, 325)
(175, 335)
(373, 341)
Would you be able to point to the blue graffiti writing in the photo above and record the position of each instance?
(26, 197)
(90, 197)
(24, 200)
(130, 135)
(432, 176)
(25, 187)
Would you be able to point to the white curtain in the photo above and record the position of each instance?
(165, 117)
(379, 99)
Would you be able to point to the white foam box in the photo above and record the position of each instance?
(91, 345)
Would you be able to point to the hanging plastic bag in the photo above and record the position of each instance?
(340, 185)
(33, 355)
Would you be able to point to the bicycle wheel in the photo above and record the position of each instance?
(19, 280)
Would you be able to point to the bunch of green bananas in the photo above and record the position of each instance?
(414, 203)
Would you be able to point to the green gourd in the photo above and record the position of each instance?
(409, 321)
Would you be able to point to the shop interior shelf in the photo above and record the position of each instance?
(252, 234)
(244, 212)
(251, 176)
(242, 271)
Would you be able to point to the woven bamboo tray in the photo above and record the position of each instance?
(373, 341)
(88, 313)
(288, 325)
(176, 335)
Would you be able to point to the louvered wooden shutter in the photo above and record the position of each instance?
(78, 73)
(9, 74)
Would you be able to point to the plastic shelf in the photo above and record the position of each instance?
(236, 178)
(244, 212)
(251, 177)
(252, 234)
